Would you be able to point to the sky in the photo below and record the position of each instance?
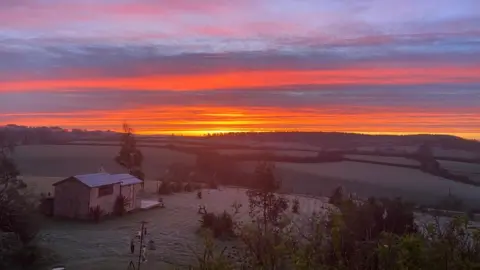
(191, 67)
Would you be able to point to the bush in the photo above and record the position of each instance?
(188, 187)
(120, 206)
(15, 255)
(212, 185)
(165, 188)
(208, 220)
(177, 187)
(221, 225)
(19, 219)
(236, 207)
(337, 197)
(96, 213)
(376, 234)
(196, 186)
(295, 206)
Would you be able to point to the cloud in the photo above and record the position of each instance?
(256, 79)
(399, 65)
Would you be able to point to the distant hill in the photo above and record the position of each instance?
(354, 140)
(49, 135)
(325, 140)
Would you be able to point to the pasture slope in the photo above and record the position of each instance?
(106, 245)
(383, 159)
(471, 170)
(67, 160)
(374, 180)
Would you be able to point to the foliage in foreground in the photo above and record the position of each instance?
(18, 217)
(373, 234)
(120, 206)
(221, 225)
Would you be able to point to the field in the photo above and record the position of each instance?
(67, 160)
(454, 153)
(437, 151)
(390, 160)
(376, 180)
(288, 153)
(461, 168)
(106, 245)
(315, 179)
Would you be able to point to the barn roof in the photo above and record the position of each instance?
(102, 179)
(126, 179)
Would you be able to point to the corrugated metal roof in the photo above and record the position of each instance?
(126, 179)
(97, 179)
(102, 179)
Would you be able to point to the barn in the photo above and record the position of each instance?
(76, 195)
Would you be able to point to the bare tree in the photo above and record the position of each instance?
(263, 201)
(129, 156)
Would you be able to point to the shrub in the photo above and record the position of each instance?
(188, 187)
(212, 185)
(295, 206)
(120, 206)
(208, 220)
(236, 207)
(221, 225)
(19, 220)
(375, 234)
(165, 188)
(96, 213)
(177, 187)
(196, 186)
(337, 196)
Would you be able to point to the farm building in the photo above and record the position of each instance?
(76, 195)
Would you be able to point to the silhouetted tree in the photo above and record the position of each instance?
(295, 206)
(262, 199)
(337, 196)
(129, 156)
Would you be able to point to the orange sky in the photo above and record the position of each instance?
(201, 120)
(386, 111)
(190, 66)
(262, 78)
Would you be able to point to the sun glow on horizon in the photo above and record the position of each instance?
(202, 120)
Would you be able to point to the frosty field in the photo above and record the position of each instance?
(380, 180)
(462, 168)
(288, 153)
(105, 246)
(390, 160)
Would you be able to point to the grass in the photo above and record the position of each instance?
(41, 184)
(292, 153)
(471, 170)
(390, 160)
(106, 245)
(174, 229)
(454, 153)
(67, 160)
(376, 180)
